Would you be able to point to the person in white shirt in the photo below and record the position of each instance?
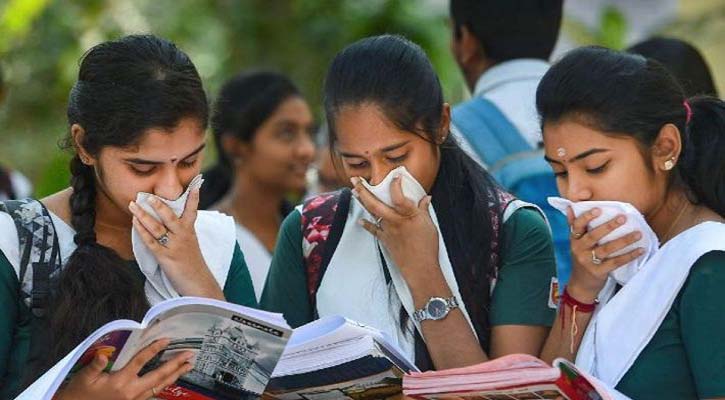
(263, 129)
(502, 48)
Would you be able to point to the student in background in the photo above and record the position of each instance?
(137, 118)
(502, 48)
(618, 126)
(263, 130)
(682, 60)
(486, 256)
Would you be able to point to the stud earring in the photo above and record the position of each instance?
(669, 164)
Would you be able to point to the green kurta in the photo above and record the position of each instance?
(15, 316)
(521, 295)
(686, 357)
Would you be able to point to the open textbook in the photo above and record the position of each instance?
(513, 377)
(236, 347)
(335, 358)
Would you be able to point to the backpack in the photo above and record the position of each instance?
(39, 250)
(40, 268)
(517, 166)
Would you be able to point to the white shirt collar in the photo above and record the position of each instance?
(509, 71)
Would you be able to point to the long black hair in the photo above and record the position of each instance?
(396, 75)
(244, 103)
(626, 94)
(124, 88)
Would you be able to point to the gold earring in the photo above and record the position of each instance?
(669, 164)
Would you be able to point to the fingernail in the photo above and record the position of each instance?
(596, 212)
(621, 219)
(188, 356)
(355, 193)
(638, 235)
(361, 222)
(153, 201)
(354, 180)
(640, 251)
(132, 206)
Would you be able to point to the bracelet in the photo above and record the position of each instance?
(567, 300)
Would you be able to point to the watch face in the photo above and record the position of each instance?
(437, 308)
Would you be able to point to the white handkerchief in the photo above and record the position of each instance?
(635, 222)
(411, 188)
(146, 260)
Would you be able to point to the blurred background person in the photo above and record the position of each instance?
(263, 129)
(682, 60)
(502, 48)
(324, 178)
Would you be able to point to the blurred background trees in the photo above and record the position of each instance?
(41, 42)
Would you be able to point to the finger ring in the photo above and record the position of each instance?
(163, 239)
(596, 260)
(576, 235)
(378, 223)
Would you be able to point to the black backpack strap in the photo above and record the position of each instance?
(38, 249)
(323, 220)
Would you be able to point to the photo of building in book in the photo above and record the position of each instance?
(230, 360)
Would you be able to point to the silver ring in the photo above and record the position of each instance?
(378, 223)
(596, 260)
(163, 239)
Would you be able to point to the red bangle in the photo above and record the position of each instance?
(576, 305)
(567, 299)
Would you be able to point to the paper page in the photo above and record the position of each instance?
(235, 353)
(44, 388)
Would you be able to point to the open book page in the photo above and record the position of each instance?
(110, 339)
(236, 348)
(334, 358)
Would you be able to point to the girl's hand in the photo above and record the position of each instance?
(591, 262)
(407, 232)
(174, 243)
(125, 384)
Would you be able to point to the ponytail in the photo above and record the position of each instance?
(702, 164)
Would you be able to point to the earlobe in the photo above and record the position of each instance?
(233, 148)
(667, 147)
(445, 127)
(77, 133)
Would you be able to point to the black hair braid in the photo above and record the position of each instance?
(83, 302)
(82, 202)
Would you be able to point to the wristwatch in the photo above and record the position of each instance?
(435, 309)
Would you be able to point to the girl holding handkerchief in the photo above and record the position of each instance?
(426, 247)
(126, 234)
(642, 173)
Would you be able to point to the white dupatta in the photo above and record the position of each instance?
(627, 321)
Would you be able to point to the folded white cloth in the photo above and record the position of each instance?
(411, 188)
(625, 323)
(635, 222)
(216, 235)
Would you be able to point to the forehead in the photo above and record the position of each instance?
(365, 129)
(293, 108)
(164, 144)
(569, 138)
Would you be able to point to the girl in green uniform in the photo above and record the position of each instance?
(137, 119)
(618, 127)
(461, 276)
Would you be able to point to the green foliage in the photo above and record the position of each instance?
(611, 31)
(41, 42)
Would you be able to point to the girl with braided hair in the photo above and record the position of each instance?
(137, 119)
